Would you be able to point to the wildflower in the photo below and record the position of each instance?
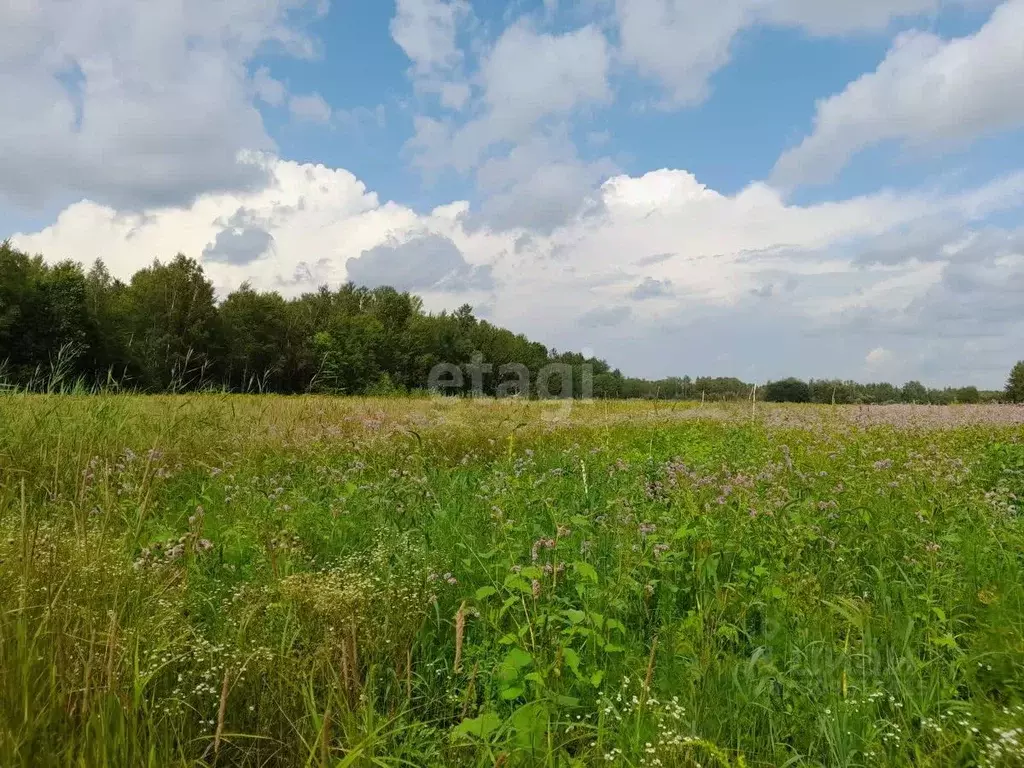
(538, 546)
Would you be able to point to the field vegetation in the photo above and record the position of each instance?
(315, 581)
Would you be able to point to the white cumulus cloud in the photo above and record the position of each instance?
(926, 90)
(662, 274)
(427, 31)
(136, 104)
(310, 108)
(683, 43)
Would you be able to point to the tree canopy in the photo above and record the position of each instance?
(1015, 384)
(165, 331)
(787, 391)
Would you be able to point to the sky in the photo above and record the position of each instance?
(751, 188)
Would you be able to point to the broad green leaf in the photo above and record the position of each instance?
(518, 658)
(945, 641)
(586, 570)
(535, 677)
(519, 583)
(481, 727)
(512, 692)
(572, 660)
(530, 722)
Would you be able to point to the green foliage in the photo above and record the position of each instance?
(968, 395)
(210, 579)
(258, 341)
(171, 325)
(787, 391)
(1015, 384)
(915, 392)
(43, 319)
(164, 331)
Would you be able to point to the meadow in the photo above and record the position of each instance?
(315, 581)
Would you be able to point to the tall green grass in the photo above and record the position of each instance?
(262, 581)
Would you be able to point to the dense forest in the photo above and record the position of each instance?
(62, 327)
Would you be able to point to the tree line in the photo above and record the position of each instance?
(165, 331)
(64, 327)
(844, 392)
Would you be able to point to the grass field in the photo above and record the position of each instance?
(268, 581)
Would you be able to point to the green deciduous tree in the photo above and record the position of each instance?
(787, 391)
(166, 331)
(255, 339)
(1015, 384)
(914, 392)
(968, 395)
(172, 326)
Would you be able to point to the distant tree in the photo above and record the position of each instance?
(608, 384)
(879, 392)
(969, 395)
(45, 329)
(105, 303)
(1015, 384)
(721, 388)
(65, 328)
(914, 392)
(832, 391)
(255, 335)
(346, 353)
(22, 312)
(165, 330)
(789, 390)
(172, 324)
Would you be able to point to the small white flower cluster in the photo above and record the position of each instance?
(1006, 744)
(633, 700)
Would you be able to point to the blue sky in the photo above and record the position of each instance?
(538, 159)
(760, 104)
